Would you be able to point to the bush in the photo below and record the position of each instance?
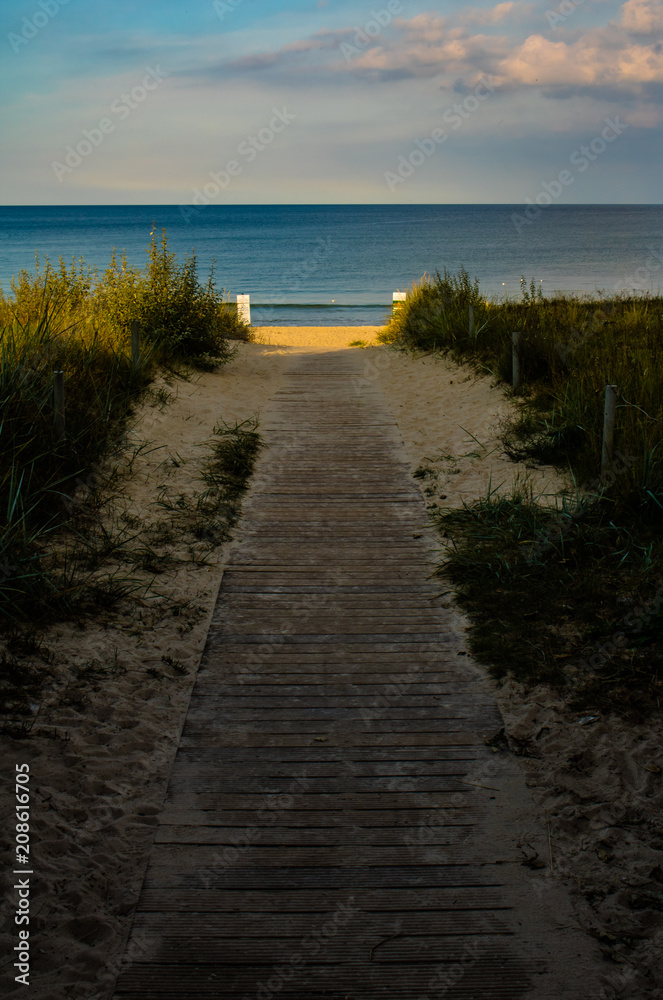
(181, 318)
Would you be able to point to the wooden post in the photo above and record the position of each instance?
(398, 299)
(471, 320)
(244, 308)
(135, 344)
(58, 405)
(608, 447)
(515, 359)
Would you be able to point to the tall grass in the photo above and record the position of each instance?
(76, 321)
(568, 576)
(571, 348)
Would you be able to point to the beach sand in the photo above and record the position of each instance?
(328, 338)
(106, 730)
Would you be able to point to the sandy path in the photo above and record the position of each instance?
(106, 731)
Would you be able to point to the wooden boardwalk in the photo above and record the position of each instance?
(336, 825)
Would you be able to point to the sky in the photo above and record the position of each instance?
(329, 101)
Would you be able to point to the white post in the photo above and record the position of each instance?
(608, 447)
(244, 308)
(399, 298)
(515, 358)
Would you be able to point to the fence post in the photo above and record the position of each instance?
(515, 359)
(135, 344)
(244, 308)
(471, 320)
(398, 299)
(58, 405)
(608, 446)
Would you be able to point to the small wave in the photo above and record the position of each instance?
(318, 305)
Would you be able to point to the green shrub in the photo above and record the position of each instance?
(182, 318)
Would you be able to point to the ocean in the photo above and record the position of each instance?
(338, 265)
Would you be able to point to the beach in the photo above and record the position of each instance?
(106, 729)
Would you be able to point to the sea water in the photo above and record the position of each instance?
(338, 265)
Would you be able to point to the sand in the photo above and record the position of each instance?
(106, 729)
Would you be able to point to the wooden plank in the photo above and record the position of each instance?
(264, 858)
(320, 754)
(316, 686)
(317, 876)
(210, 799)
(444, 923)
(291, 698)
(349, 837)
(374, 818)
(423, 899)
(219, 944)
(247, 738)
(199, 761)
(489, 977)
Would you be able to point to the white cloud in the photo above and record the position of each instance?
(455, 47)
(642, 16)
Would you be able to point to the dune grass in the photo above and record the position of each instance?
(75, 321)
(569, 595)
(210, 514)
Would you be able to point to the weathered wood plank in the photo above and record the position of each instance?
(268, 835)
(423, 899)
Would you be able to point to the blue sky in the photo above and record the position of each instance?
(393, 101)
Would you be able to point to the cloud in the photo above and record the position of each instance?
(428, 46)
(598, 57)
(493, 15)
(620, 60)
(287, 56)
(642, 16)
(602, 58)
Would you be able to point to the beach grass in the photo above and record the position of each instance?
(571, 593)
(210, 513)
(75, 321)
